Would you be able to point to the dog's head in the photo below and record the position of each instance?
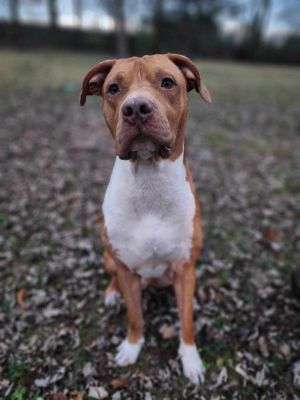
(145, 101)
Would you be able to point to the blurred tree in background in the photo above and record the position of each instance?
(78, 11)
(14, 13)
(52, 6)
(116, 9)
(193, 27)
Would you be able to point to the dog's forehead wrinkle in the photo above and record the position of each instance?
(143, 71)
(129, 70)
(139, 74)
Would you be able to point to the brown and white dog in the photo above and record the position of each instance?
(151, 215)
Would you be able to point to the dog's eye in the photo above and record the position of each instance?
(113, 88)
(167, 83)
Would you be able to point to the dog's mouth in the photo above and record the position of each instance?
(143, 147)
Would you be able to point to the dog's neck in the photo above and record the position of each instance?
(146, 185)
(154, 163)
(178, 148)
(147, 156)
(150, 165)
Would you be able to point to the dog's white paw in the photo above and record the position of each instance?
(128, 352)
(192, 365)
(112, 298)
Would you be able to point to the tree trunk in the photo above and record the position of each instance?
(261, 11)
(120, 28)
(15, 24)
(157, 19)
(14, 11)
(78, 11)
(52, 9)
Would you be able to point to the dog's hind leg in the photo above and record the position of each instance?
(112, 293)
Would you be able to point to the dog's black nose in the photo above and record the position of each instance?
(137, 109)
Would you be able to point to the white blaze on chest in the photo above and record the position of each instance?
(148, 211)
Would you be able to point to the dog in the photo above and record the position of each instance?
(151, 226)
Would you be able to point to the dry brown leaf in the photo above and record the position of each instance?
(21, 297)
(270, 235)
(167, 331)
(59, 396)
(285, 350)
(119, 383)
(77, 395)
(263, 346)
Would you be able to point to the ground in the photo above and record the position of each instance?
(57, 339)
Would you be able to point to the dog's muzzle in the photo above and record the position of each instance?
(143, 132)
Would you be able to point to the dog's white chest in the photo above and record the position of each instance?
(148, 212)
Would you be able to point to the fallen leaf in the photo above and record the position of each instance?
(77, 395)
(59, 396)
(285, 350)
(167, 331)
(258, 380)
(44, 382)
(21, 297)
(119, 383)
(51, 312)
(97, 392)
(88, 370)
(270, 234)
(263, 346)
(4, 384)
(221, 379)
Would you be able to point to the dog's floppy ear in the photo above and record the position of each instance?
(94, 79)
(191, 74)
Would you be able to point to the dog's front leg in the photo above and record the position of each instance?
(184, 285)
(130, 286)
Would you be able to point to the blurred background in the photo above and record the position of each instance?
(57, 339)
(256, 30)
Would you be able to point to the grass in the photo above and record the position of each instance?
(256, 83)
(19, 394)
(226, 80)
(16, 370)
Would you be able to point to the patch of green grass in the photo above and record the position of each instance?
(16, 244)
(223, 275)
(5, 305)
(228, 143)
(89, 330)
(16, 370)
(278, 366)
(182, 380)
(82, 357)
(256, 84)
(220, 322)
(221, 141)
(63, 72)
(2, 218)
(213, 352)
(104, 282)
(19, 394)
